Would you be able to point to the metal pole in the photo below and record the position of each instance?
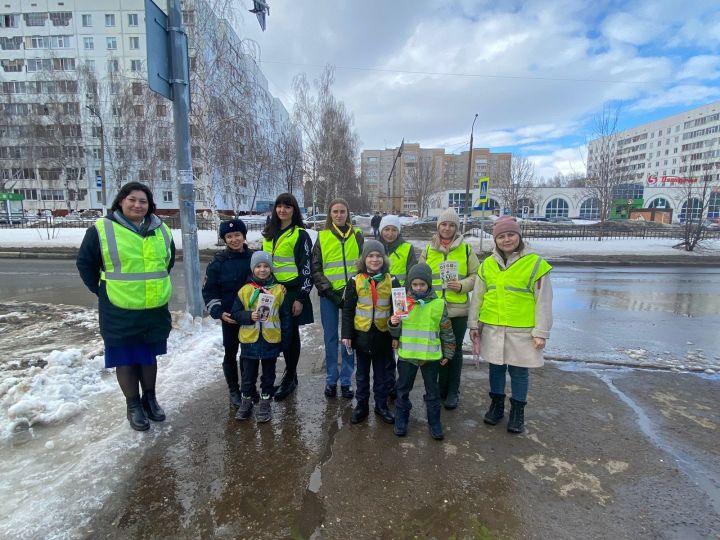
(102, 167)
(180, 82)
(467, 185)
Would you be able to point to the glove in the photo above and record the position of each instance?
(216, 311)
(336, 297)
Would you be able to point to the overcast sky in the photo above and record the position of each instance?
(536, 72)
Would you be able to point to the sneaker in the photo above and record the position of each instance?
(347, 392)
(245, 410)
(264, 412)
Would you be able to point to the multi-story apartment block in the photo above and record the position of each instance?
(74, 107)
(417, 167)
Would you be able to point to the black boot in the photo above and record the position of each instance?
(496, 410)
(287, 386)
(330, 390)
(346, 392)
(516, 421)
(136, 415)
(235, 397)
(451, 401)
(402, 417)
(383, 412)
(360, 412)
(152, 408)
(433, 416)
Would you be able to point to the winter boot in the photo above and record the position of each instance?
(383, 412)
(287, 386)
(496, 410)
(330, 390)
(235, 398)
(451, 401)
(346, 392)
(152, 408)
(264, 412)
(246, 407)
(402, 417)
(136, 414)
(516, 420)
(360, 412)
(433, 416)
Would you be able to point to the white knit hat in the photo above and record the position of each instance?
(450, 216)
(390, 220)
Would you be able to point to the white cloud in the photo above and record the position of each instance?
(564, 160)
(702, 67)
(682, 95)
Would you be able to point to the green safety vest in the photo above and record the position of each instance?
(420, 333)
(434, 257)
(283, 254)
(365, 312)
(509, 299)
(338, 257)
(135, 268)
(398, 261)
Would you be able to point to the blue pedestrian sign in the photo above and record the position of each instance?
(98, 181)
(484, 184)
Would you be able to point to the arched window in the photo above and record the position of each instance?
(590, 208)
(714, 206)
(557, 208)
(691, 209)
(525, 203)
(628, 191)
(659, 203)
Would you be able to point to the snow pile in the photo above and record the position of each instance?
(695, 361)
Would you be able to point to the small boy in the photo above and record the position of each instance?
(261, 337)
(426, 342)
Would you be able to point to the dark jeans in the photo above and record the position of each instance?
(450, 372)
(406, 380)
(519, 380)
(231, 342)
(380, 359)
(250, 373)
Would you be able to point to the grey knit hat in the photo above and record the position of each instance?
(370, 246)
(449, 215)
(419, 271)
(260, 257)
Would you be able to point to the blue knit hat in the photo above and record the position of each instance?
(232, 225)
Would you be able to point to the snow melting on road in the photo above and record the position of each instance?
(66, 445)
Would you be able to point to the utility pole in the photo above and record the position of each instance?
(180, 83)
(392, 170)
(469, 172)
(103, 177)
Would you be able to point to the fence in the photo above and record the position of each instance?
(608, 230)
(79, 223)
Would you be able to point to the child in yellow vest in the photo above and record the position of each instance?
(426, 342)
(367, 306)
(264, 328)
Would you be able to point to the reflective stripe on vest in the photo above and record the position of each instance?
(135, 268)
(365, 315)
(510, 299)
(283, 254)
(398, 262)
(434, 257)
(338, 257)
(249, 333)
(420, 333)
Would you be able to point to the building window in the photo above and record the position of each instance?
(98, 196)
(659, 203)
(90, 64)
(113, 67)
(117, 132)
(8, 21)
(88, 43)
(60, 42)
(136, 89)
(61, 18)
(714, 206)
(87, 21)
(188, 18)
(35, 19)
(139, 110)
(134, 42)
(557, 208)
(39, 42)
(136, 65)
(167, 196)
(132, 19)
(39, 64)
(111, 44)
(161, 110)
(691, 209)
(165, 175)
(63, 64)
(96, 151)
(109, 19)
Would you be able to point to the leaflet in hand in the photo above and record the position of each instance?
(400, 303)
(264, 305)
(448, 272)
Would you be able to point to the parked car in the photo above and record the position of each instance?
(538, 219)
(428, 219)
(711, 224)
(316, 220)
(561, 219)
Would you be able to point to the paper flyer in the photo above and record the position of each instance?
(264, 305)
(448, 272)
(399, 301)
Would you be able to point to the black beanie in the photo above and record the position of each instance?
(232, 225)
(419, 271)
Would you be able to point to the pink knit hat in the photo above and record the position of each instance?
(506, 224)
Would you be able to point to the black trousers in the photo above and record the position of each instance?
(379, 356)
(231, 343)
(250, 367)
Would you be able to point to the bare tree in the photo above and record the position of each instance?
(288, 157)
(515, 185)
(422, 182)
(699, 193)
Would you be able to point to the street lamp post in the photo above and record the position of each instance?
(469, 172)
(103, 178)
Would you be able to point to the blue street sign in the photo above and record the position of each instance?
(158, 50)
(484, 186)
(98, 181)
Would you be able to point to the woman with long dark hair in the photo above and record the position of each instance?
(286, 239)
(125, 259)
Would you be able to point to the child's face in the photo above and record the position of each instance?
(374, 261)
(390, 233)
(235, 240)
(262, 271)
(419, 286)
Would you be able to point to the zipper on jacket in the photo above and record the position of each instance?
(342, 246)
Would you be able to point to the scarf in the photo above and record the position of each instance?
(371, 282)
(260, 286)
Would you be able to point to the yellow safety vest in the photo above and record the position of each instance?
(249, 333)
(135, 268)
(365, 312)
(509, 299)
(338, 257)
(283, 254)
(434, 257)
(420, 333)
(398, 261)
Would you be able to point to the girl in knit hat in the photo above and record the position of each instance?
(367, 306)
(448, 245)
(264, 318)
(511, 315)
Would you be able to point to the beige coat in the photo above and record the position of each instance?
(467, 284)
(513, 346)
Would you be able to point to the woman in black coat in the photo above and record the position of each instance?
(125, 259)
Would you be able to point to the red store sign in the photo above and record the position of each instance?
(653, 180)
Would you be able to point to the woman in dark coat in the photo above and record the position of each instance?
(125, 259)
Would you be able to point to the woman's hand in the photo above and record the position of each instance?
(454, 286)
(444, 361)
(347, 342)
(539, 343)
(474, 334)
(297, 308)
(227, 318)
(395, 343)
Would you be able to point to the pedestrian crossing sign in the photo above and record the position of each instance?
(484, 184)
